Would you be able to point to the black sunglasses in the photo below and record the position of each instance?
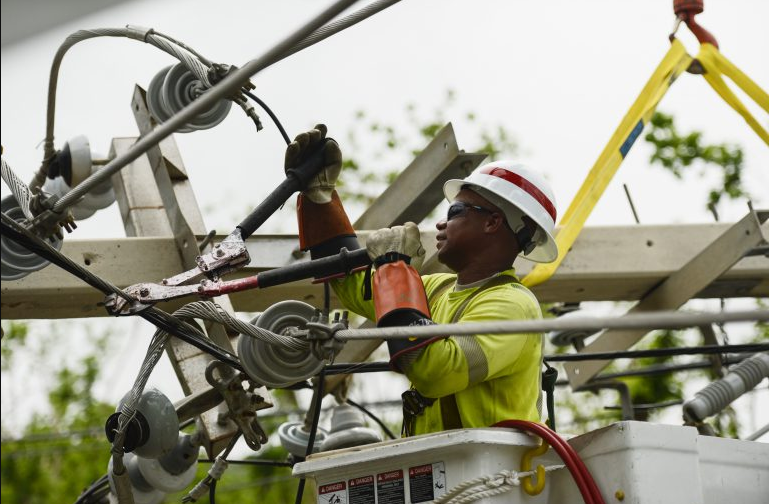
(459, 208)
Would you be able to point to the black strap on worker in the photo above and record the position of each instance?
(549, 377)
(415, 403)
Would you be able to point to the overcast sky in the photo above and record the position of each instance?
(559, 75)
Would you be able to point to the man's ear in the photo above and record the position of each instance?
(494, 222)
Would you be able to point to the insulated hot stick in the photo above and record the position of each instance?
(324, 268)
(296, 179)
(231, 254)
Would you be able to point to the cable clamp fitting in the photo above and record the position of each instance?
(321, 334)
(140, 33)
(241, 403)
(47, 222)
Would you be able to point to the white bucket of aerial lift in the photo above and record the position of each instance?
(517, 191)
(642, 462)
(631, 462)
(422, 468)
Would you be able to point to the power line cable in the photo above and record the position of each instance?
(515, 328)
(232, 83)
(326, 31)
(656, 369)
(182, 330)
(660, 352)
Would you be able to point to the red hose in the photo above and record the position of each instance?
(582, 477)
(593, 488)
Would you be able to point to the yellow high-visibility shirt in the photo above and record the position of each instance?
(493, 377)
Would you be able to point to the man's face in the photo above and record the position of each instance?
(460, 233)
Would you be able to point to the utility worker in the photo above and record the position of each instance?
(500, 211)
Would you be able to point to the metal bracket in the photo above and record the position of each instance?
(720, 255)
(241, 403)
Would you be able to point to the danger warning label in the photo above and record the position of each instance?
(361, 490)
(426, 482)
(389, 488)
(332, 493)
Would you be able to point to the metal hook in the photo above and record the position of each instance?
(529, 487)
(676, 25)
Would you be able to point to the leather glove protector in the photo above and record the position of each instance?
(324, 227)
(399, 295)
(399, 240)
(319, 189)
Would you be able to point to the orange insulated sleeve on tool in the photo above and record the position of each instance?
(398, 287)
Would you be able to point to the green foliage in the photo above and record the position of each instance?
(59, 453)
(658, 388)
(14, 335)
(677, 152)
(762, 328)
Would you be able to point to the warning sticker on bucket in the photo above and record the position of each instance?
(389, 488)
(427, 482)
(361, 490)
(332, 493)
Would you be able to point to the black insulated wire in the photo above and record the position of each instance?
(660, 352)
(230, 446)
(255, 462)
(271, 114)
(225, 88)
(326, 299)
(357, 367)
(378, 367)
(317, 400)
(373, 417)
(92, 494)
(165, 321)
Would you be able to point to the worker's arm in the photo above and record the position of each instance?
(452, 364)
(398, 293)
(351, 292)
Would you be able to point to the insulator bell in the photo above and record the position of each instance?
(175, 87)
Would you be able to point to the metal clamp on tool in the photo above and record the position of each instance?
(147, 294)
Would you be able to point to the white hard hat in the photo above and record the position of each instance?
(517, 191)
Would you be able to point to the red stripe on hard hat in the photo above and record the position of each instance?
(524, 184)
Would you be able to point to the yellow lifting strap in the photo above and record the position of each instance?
(675, 62)
(715, 64)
